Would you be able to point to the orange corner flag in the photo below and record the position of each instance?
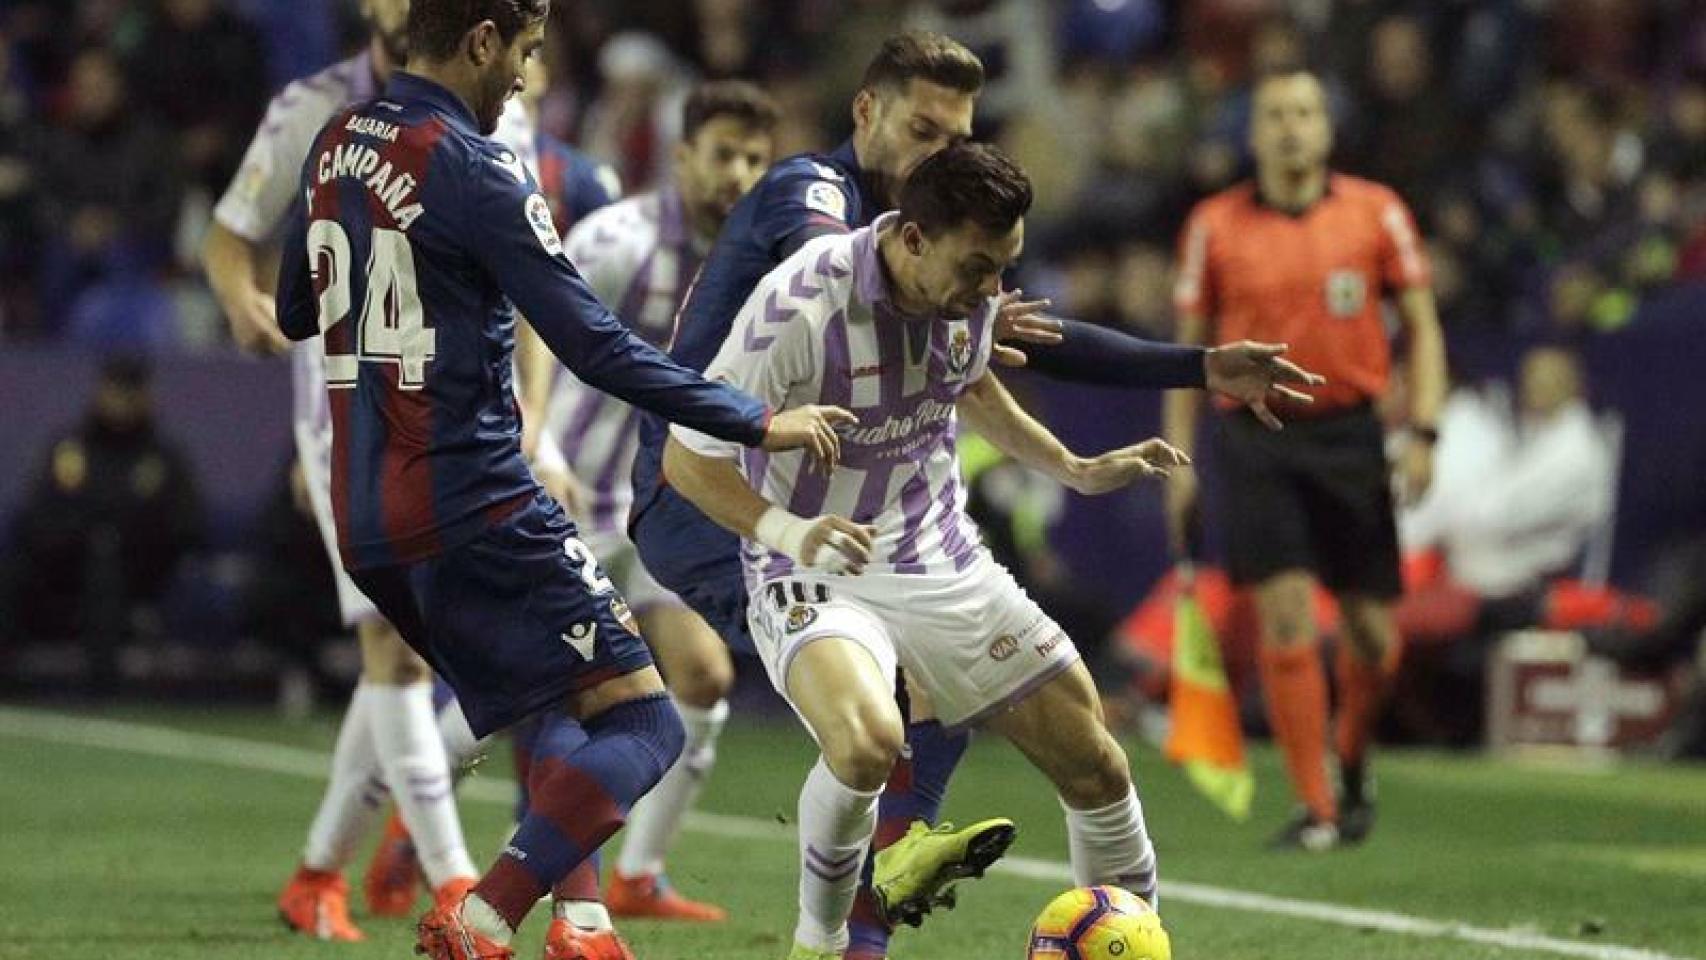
(1204, 736)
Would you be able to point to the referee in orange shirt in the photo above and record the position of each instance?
(1304, 256)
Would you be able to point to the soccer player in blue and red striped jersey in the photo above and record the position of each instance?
(417, 242)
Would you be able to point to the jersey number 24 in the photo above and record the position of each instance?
(392, 326)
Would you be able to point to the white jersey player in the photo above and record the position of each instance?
(391, 737)
(640, 256)
(893, 323)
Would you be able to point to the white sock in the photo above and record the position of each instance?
(836, 825)
(405, 733)
(1111, 846)
(460, 744)
(354, 796)
(656, 819)
(486, 921)
(584, 914)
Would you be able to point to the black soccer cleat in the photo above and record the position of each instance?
(1356, 803)
(1308, 833)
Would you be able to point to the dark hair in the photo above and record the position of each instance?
(922, 55)
(436, 27)
(970, 182)
(737, 99)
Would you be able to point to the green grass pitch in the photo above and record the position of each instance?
(109, 852)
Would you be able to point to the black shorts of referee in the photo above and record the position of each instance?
(1316, 496)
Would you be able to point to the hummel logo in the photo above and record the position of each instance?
(582, 636)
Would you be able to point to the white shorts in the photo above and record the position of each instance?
(620, 560)
(974, 641)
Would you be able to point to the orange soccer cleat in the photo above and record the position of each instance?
(451, 893)
(441, 935)
(394, 878)
(652, 897)
(565, 941)
(316, 903)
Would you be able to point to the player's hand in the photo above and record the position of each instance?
(1183, 503)
(565, 488)
(812, 428)
(837, 545)
(1022, 320)
(1415, 471)
(1122, 467)
(1254, 373)
(253, 318)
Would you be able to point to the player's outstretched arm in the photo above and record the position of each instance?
(1076, 352)
(714, 484)
(990, 410)
(516, 241)
(1079, 352)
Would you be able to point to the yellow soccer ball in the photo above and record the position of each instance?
(1099, 923)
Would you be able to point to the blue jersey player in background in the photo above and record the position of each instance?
(417, 241)
(917, 97)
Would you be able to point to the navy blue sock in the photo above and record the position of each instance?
(584, 779)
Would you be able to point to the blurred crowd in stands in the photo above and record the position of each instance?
(1554, 150)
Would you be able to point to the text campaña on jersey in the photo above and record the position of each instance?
(361, 162)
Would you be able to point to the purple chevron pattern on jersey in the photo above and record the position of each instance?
(639, 255)
(823, 328)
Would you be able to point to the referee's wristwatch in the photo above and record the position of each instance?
(1428, 435)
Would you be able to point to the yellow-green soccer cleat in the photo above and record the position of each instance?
(803, 952)
(917, 873)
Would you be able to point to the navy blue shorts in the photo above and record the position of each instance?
(515, 620)
(698, 561)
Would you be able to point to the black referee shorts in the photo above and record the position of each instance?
(1315, 496)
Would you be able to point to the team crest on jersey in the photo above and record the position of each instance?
(539, 218)
(1003, 647)
(800, 617)
(623, 614)
(959, 349)
(1347, 293)
(827, 199)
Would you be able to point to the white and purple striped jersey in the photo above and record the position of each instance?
(822, 328)
(267, 183)
(639, 256)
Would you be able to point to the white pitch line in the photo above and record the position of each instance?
(167, 743)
